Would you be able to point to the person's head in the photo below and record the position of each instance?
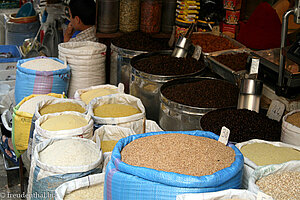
(82, 12)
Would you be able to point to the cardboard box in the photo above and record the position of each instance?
(232, 4)
(229, 29)
(232, 17)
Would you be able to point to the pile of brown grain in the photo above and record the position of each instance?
(179, 153)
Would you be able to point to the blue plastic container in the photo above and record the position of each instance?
(26, 10)
(14, 50)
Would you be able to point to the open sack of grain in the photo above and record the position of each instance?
(41, 75)
(291, 128)
(118, 109)
(280, 181)
(53, 106)
(90, 187)
(88, 94)
(220, 195)
(87, 63)
(56, 161)
(22, 117)
(162, 165)
(260, 153)
(62, 125)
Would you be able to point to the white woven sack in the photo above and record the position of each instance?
(87, 65)
(220, 195)
(40, 134)
(290, 133)
(270, 169)
(42, 179)
(76, 184)
(250, 166)
(79, 92)
(42, 104)
(135, 122)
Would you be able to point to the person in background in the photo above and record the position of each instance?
(82, 16)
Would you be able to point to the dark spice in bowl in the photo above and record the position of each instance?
(139, 41)
(168, 65)
(235, 61)
(207, 93)
(243, 124)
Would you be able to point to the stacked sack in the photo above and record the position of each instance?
(87, 62)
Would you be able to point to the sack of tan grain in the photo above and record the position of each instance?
(89, 187)
(291, 128)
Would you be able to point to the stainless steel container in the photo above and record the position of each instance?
(146, 86)
(120, 67)
(175, 116)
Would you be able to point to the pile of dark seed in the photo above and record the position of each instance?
(236, 61)
(139, 41)
(243, 124)
(203, 94)
(168, 65)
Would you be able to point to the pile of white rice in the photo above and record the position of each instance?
(30, 105)
(43, 64)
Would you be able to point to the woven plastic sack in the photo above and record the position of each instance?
(87, 62)
(135, 122)
(21, 125)
(270, 169)
(40, 134)
(44, 179)
(123, 181)
(30, 81)
(220, 195)
(290, 133)
(250, 166)
(38, 115)
(79, 92)
(76, 184)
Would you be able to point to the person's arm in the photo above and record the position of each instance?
(68, 33)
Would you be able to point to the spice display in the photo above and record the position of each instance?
(129, 15)
(281, 186)
(294, 119)
(235, 61)
(140, 42)
(203, 94)
(150, 16)
(43, 64)
(63, 122)
(243, 124)
(61, 107)
(94, 192)
(179, 153)
(69, 152)
(30, 105)
(87, 96)
(115, 110)
(168, 65)
(267, 154)
(211, 43)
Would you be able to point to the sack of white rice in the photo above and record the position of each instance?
(56, 161)
(261, 153)
(220, 195)
(281, 181)
(22, 116)
(119, 109)
(89, 187)
(62, 125)
(88, 94)
(41, 75)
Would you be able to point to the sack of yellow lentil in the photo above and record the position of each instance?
(220, 195)
(118, 109)
(291, 128)
(280, 181)
(22, 117)
(88, 94)
(89, 187)
(62, 125)
(260, 153)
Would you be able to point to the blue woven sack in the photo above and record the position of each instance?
(123, 181)
(30, 81)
